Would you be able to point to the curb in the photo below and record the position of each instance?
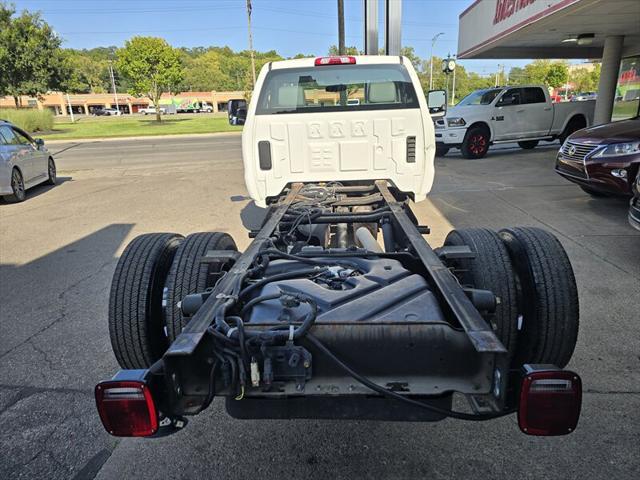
(139, 137)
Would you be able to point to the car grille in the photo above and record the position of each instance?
(576, 151)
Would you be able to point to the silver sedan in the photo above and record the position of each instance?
(24, 163)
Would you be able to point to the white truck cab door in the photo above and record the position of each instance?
(535, 113)
(506, 115)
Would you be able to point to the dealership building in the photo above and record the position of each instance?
(563, 29)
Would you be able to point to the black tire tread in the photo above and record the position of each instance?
(550, 330)
(188, 275)
(135, 320)
(491, 270)
(50, 181)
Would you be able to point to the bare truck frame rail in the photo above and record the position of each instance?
(316, 320)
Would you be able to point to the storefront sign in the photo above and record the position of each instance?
(506, 8)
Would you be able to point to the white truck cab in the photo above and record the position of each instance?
(523, 114)
(338, 119)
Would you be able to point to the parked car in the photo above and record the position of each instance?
(107, 112)
(603, 160)
(24, 163)
(634, 207)
(152, 110)
(584, 96)
(523, 114)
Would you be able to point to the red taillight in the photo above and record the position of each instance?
(550, 402)
(126, 408)
(342, 60)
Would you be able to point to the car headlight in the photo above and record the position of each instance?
(456, 122)
(619, 149)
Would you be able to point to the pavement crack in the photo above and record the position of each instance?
(44, 354)
(62, 314)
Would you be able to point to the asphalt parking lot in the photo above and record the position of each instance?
(58, 251)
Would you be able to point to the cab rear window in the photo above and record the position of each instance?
(336, 88)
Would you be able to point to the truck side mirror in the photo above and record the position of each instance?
(437, 103)
(241, 116)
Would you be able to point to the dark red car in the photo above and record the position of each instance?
(603, 160)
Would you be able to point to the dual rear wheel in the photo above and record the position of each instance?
(155, 272)
(528, 269)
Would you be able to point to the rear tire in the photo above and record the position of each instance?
(441, 151)
(529, 144)
(188, 275)
(51, 172)
(548, 297)
(490, 270)
(17, 186)
(475, 143)
(136, 326)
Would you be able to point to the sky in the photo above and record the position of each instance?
(287, 26)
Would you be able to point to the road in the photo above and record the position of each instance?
(58, 251)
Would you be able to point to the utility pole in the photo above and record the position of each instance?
(433, 43)
(253, 59)
(341, 27)
(113, 85)
(70, 109)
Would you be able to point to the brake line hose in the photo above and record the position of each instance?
(391, 394)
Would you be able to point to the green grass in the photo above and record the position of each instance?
(623, 110)
(137, 125)
(29, 119)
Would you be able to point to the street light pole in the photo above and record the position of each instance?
(433, 43)
(453, 90)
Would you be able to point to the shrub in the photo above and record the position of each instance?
(29, 119)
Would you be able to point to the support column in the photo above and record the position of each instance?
(86, 109)
(214, 102)
(611, 56)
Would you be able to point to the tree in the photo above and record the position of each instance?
(557, 75)
(83, 74)
(152, 67)
(30, 56)
(586, 80)
(333, 51)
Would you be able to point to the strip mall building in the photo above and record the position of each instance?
(563, 29)
(86, 103)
